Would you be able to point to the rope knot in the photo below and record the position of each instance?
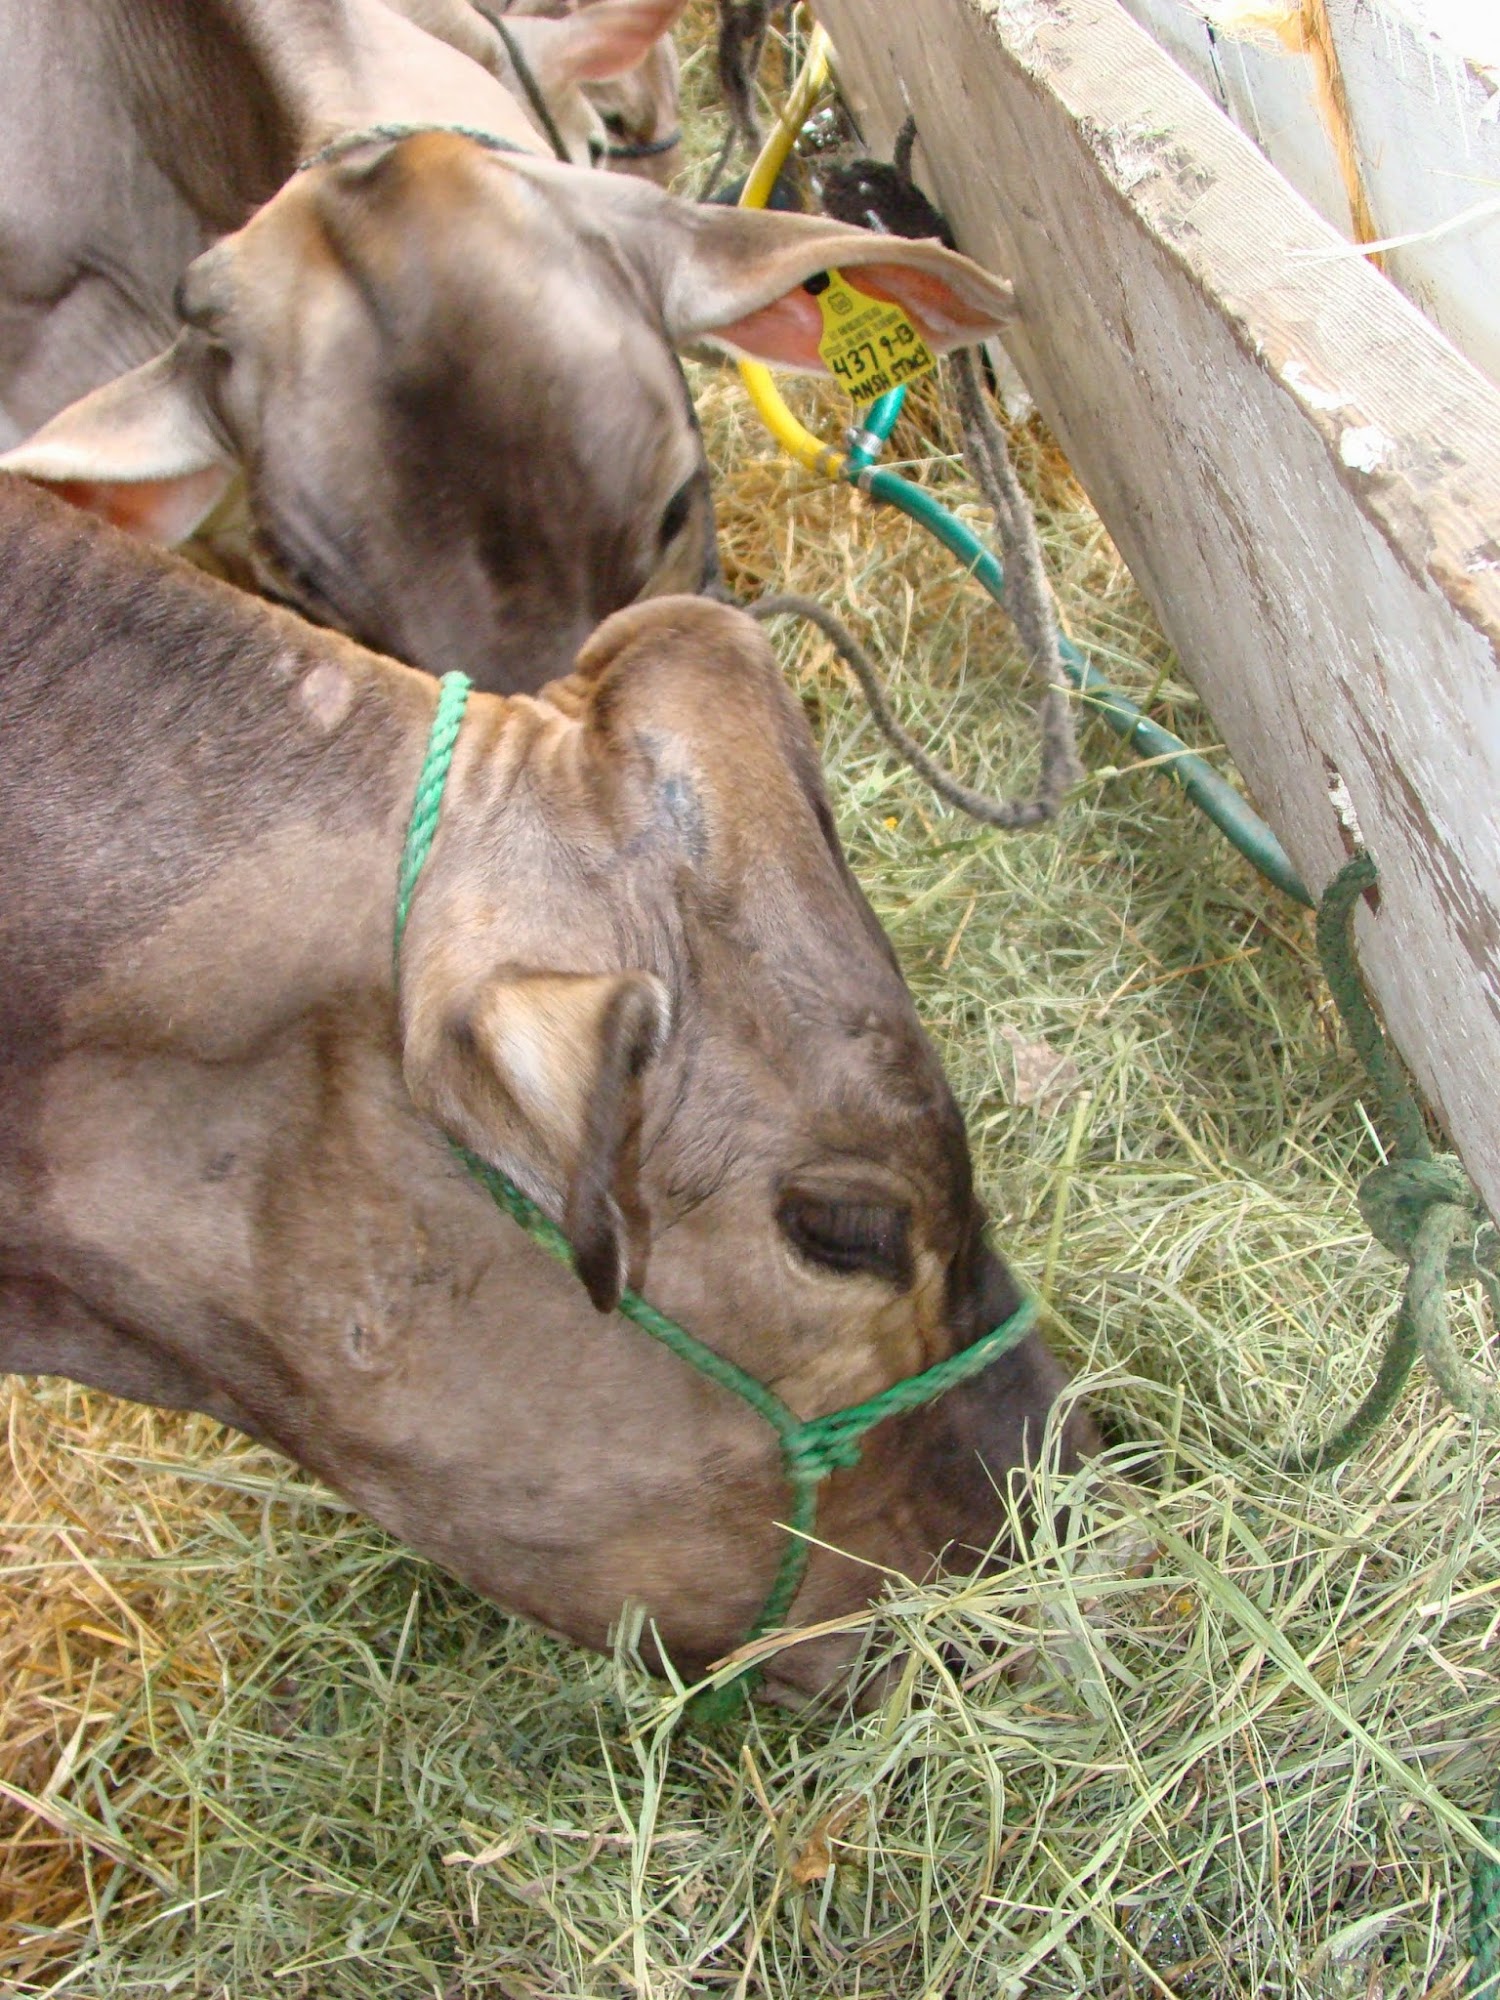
(1420, 1206)
(822, 1446)
(1394, 1199)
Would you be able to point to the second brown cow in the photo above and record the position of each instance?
(447, 373)
(638, 976)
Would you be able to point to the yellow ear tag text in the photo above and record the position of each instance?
(869, 344)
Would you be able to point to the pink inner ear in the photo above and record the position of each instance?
(786, 331)
(158, 510)
(934, 308)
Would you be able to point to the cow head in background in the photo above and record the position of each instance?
(605, 70)
(637, 105)
(448, 376)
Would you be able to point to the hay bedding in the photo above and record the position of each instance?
(249, 1747)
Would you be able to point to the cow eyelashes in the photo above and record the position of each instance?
(852, 1238)
(291, 583)
(675, 514)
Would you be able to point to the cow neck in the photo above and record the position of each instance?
(812, 1448)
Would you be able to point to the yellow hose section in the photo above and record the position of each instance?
(794, 438)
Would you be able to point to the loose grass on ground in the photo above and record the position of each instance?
(248, 1746)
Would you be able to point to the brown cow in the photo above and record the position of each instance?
(638, 976)
(637, 110)
(447, 373)
(605, 70)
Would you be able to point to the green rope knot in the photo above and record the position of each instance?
(711, 1707)
(1421, 1206)
(1393, 1201)
(822, 1446)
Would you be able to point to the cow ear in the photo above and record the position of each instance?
(597, 42)
(139, 452)
(736, 277)
(541, 1074)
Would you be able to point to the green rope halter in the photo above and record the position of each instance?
(810, 1450)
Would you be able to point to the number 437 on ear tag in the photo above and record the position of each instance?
(868, 343)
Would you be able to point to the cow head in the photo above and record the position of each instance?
(641, 113)
(636, 109)
(609, 72)
(447, 375)
(639, 978)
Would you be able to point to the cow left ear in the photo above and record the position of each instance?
(139, 451)
(541, 1074)
(737, 277)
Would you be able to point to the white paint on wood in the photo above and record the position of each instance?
(1219, 383)
(1429, 149)
(1471, 28)
(1425, 113)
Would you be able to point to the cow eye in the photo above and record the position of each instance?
(869, 1238)
(195, 309)
(675, 514)
(285, 580)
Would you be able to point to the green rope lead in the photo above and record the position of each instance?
(811, 1449)
(427, 803)
(1420, 1206)
(1335, 934)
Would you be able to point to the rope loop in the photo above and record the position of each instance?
(1059, 765)
(1394, 1199)
(1420, 1205)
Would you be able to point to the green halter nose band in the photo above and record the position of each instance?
(810, 1450)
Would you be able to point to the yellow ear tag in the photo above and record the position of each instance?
(869, 344)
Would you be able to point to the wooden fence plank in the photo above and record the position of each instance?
(1303, 475)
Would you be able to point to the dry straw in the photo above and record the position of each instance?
(248, 1747)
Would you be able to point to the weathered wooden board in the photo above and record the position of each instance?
(1425, 138)
(1302, 473)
